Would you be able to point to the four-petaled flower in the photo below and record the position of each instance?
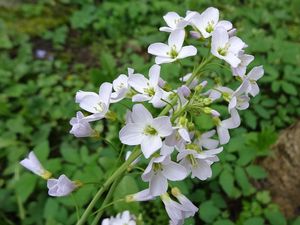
(80, 126)
(62, 186)
(176, 22)
(226, 48)
(145, 131)
(166, 53)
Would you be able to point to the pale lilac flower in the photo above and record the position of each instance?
(226, 48)
(141, 196)
(40, 53)
(246, 59)
(199, 163)
(206, 141)
(159, 171)
(120, 86)
(255, 74)
(176, 22)
(124, 218)
(206, 22)
(148, 90)
(166, 53)
(145, 131)
(97, 104)
(189, 206)
(223, 126)
(33, 164)
(62, 186)
(175, 211)
(80, 127)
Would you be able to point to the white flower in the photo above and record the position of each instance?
(237, 99)
(123, 218)
(246, 59)
(176, 22)
(159, 171)
(207, 21)
(188, 205)
(33, 164)
(141, 196)
(80, 127)
(145, 131)
(222, 128)
(205, 140)
(149, 90)
(255, 74)
(199, 162)
(120, 86)
(62, 186)
(226, 48)
(166, 53)
(175, 211)
(97, 104)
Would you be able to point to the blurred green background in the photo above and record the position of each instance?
(49, 49)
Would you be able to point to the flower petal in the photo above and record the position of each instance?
(187, 51)
(132, 134)
(150, 144)
(159, 49)
(176, 39)
(140, 114)
(173, 171)
(158, 185)
(163, 126)
(138, 81)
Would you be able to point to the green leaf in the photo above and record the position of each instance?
(42, 150)
(70, 154)
(289, 88)
(208, 211)
(25, 186)
(227, 182)
(223, 222)
(254, 221)
(257, 172)
(51, 208)
(275, 217)
(242, 180)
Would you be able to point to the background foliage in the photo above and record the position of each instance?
(87, 42)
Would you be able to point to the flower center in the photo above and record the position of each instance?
(192, 160)
(149, 91)
(157, 167)
(210, 27)
(149, 130)
(224, 51)
(99, 107)
(173, 53)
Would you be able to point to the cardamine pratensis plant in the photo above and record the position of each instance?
(174, 147)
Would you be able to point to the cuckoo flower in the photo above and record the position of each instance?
(120, 86)
(159, 171)
(223, 126)
(97, 104)
(176, 22)
(246, 59)
(124, 218)
(206, 22)
(62, 186)
(198, 161)
(192, 209)
(166, 53)
(141, 196)
(80, 127)
(145, 131)
(226, 48)
(255, 74)
(33, 164)
(206, 141)
(148, 90)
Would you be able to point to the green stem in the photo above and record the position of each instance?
(106, 200)
(106, 185)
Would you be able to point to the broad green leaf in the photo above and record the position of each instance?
(254, 221)
(208, 212)
(275, 217)
(256, 172)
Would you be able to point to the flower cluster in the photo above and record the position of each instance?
(123, 218)
(175, 147)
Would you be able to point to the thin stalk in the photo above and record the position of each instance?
(106, 200)
(106, 185)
